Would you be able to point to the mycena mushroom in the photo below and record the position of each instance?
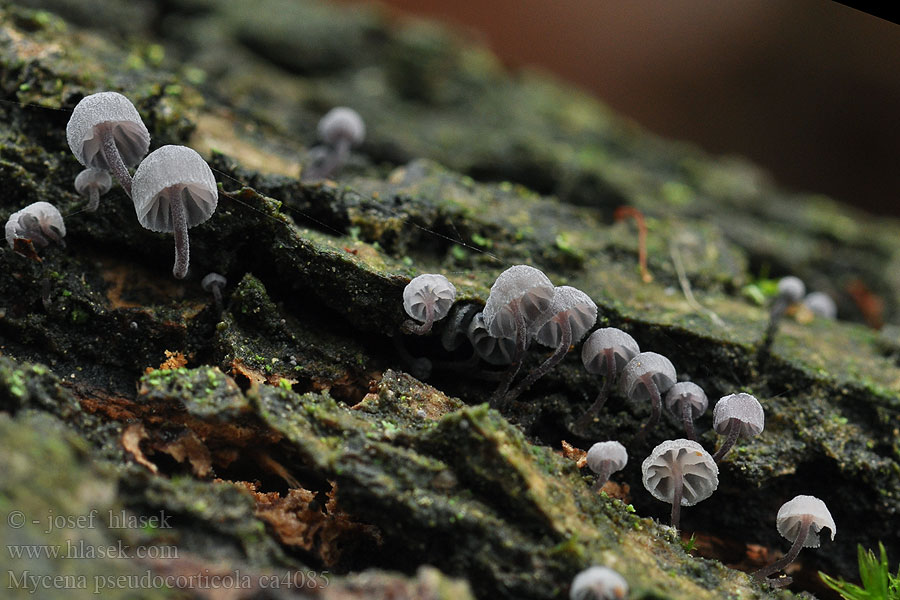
(646, 377)
(174, 189)
(93, 183)
(735, 416)
(39, 222)
(687, 401)
(341, 128)
(605, 352)
(427, 298)
(681, 473)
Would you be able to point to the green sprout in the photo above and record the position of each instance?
(877, 581)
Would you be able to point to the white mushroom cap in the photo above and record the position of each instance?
(92, 177)
(593, 353)
(427, 289)
(699, 471)
(567, 303)
(495, 351)
(646, 365)
(527, 285)
(342, 123)
(598, 583)
(113, 110)
(687, 391)
(182, 170)
(821, 304)
(743, 407)
(607, 451)
(792, 512)
(47, 216)
(212, 279)
(791, 288)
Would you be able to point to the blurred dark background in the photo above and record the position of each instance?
(809, 89)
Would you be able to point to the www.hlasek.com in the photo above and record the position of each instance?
(79, 549)
(35, 582)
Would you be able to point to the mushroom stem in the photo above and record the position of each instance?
(411, 326)
(677, 490)
(217, 297)
(602, 475)
(687, 418)
(93, 199)
(734, 431)
(180, 229)
(791, 556)
(114, 160)
(545, 367)
(498, 400)
(595, 408)
(655, 410)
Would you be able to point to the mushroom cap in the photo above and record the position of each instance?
(598, 583)
(47, 217)
(593, 353)
(644, 368)
(492, 350)
(567, 303)
(613, 452)
(340, 123)
(519, 286)
(91, 177)
(176, 169)
(106, 109)
(743, 407)
(821, 304)
(432, 289)
(212, 279)
(792, 512)
(686, 391)
(791, 288)
(699, 471)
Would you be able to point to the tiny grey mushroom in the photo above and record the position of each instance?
(791, 288)
(646, 377)
(427, 298)
(106, 132)
(821, 304)
(799, 520)
(213, 283)
(598, 583)
(681, 473)
(736, 416)
(604, 459)
(174, 189)
(341, 129)
(687, 401)
(492, 350)
(605, 352)
(93, 183)
(39, 222)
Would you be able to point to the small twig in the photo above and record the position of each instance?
(686, 286)
(623, 212)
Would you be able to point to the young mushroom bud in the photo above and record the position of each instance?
(106, 132)
(213, 283)
(735, 416)
(174, 189)
(605, 352)
(646, 377)
(341, 129)
(427, 298)
(598, 583)
(687, 401)
(821, 304)
(799, 521)
(93, 183)
(604, 459)
(681, 473)
(39, 222)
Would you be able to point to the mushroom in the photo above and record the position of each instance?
(213, 283)
(681, 473)
(427, 298)
(734, 416)
(341, 128)
(492, 350)
(598, 583)
(106, 132)
(39, 222)
(799, 521)
(174, 189)
(820, 304)
(686, 401)
(646, 377)
(570, 315)
(790, 290)
(604, 459)
(93, 183)
(605, 352)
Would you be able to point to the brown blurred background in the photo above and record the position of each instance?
(809, 89)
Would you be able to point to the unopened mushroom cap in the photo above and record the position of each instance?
(743, 407)
(212, 279)
(792, 512)
(567, 303)
(593, 353)
(791, 288)
(699, 471)
(598, 583)
(427, 289)
(91, 177)
(340, 123)
(109, 109)
(607, 451)
(48, 219)
(521, 284)
(492, 350)
(178, 169)
(687, 391)
(821, 304)
(644, 367)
